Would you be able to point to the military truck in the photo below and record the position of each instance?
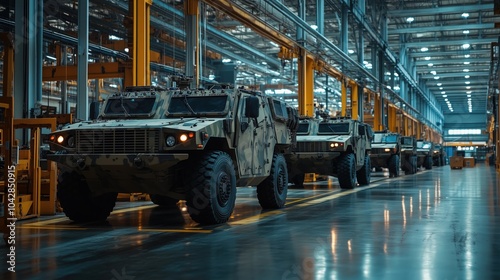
(194, 145)
(409, 154)
(424, 154)
(386, 152)
(336, 147)
(438, 155)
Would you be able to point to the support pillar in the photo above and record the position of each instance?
(343, 97)
(354, 101)
(82, 107)
(344, 29)
(306, 85)
(139, 43)
(191, 20)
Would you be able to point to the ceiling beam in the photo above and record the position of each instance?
(458, 9)
(454, 52)
(454, 61)
(471, 68)
(445, 42)
(453, 75)
(442, 28)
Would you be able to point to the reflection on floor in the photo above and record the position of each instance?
(436, 224)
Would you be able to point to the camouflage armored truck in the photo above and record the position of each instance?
(386, 152)
(424, 154)
(193, 145)
(337, 147)
(409, 154)
(438, 155)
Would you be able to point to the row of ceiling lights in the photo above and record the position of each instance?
(443, 93)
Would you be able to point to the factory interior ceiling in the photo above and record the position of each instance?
(446, 48)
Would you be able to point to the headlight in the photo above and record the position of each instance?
(60, 139)
(71, 142)
(183, 137)
(334, 145)
(387, 150)
(170, 141)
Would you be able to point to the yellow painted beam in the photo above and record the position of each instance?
(377, 114)
(343, 99)
(354, 101)
(306, 85)
(96, 71)
(141, 43)
(391, 115)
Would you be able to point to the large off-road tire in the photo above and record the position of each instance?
(273, 190)
(347, 171)
(212, 189)
(394, 163)
(363, 175)
(77, 201)
(415, 165)
(163, 201)
(298, 180)
(428, 162)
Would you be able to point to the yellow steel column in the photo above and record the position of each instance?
(391, 112)
(405, 126)
(343, 98)
(376, 113)
(306, 85)
(354, 101)
(140, 11)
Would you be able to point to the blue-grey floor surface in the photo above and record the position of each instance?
(436, 224)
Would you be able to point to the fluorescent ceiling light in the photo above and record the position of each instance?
(410, 19)
(466, 70)
(467, 87)
(430, 64)
(427, 58)
(350, 51)
(466, 62)
(466, 46)
(424, 49)
(443, 92)
(436, 77)
(467, 76)
(445, 95)
(467, 82)
(467, 55)
(468, 95)
(439, 84)
(465, 31)
(465, 15)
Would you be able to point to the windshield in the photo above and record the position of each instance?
(423, 145)
(303, 128)
(407, 141)
(129, 106)
(385, 138)
(197, 105)
(333, 128)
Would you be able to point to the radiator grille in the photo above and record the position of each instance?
(312, 147)
(117, 141)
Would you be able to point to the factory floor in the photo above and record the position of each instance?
(437, 224)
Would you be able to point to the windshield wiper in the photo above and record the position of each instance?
(123, 107)
(189, 106)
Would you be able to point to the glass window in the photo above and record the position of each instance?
(129, 106)
(197, 105)
(334, 128)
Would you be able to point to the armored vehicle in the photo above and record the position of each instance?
(409, 154)
(424, 154)
(193, 145)
(337, 147)
(386, 152)
(438, 155)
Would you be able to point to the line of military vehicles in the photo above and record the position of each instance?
(199, 145)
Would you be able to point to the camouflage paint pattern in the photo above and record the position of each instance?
(423, 152)
(379, 157)
(126, 149)
(314, 152)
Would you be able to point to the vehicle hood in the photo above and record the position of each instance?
(322, 138)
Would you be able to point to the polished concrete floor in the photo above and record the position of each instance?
(437, 224)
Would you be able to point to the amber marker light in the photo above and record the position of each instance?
(52, 138)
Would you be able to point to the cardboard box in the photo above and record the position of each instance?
(469, 162)
(456, 162)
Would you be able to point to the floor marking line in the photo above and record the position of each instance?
(177, 230)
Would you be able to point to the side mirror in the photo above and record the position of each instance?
(252, 107)
(361, 130)
(94, 110)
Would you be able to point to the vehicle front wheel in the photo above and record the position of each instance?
(163, 201)
(77, 200)
(212, 193)
(273, 190)
(394, 163)
(363, 175)
(347, 171)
